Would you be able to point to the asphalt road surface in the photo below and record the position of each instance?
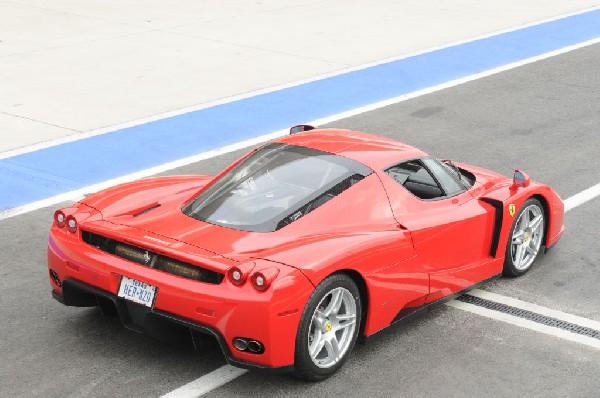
(543, 118)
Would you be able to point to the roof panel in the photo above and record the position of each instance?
(369, 149)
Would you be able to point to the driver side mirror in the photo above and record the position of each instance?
(520, 179)
(300, 128)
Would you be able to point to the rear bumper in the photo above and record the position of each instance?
(91, 277)
(145, 320)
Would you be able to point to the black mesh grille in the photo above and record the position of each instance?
(529, 315)
(151, 259)
(321, 200)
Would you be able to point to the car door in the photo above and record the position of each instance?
(451, 231)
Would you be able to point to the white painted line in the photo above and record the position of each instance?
(227, 373)
(582, 197)
(77, 194)
(513, 302)
(137, 122)
(207, 383)
(570, 203)
(452, 83)
(525, 323)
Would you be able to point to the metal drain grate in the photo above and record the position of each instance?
(529, 315)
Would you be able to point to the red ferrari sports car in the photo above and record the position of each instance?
(299, 248)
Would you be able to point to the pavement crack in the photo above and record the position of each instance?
(247, 14)
(256, 48)
(35, 50)
(73, 14)
(40, 121)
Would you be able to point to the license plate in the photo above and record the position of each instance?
(136, 291)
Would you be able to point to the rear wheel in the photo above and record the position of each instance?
(328, 328)
(525, 239)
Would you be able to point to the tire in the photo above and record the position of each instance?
(328, 328)
(525, 238)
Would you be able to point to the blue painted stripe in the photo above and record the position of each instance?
(47, 172)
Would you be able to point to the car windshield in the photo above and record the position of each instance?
(273, 187)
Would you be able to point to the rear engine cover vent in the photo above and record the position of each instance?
(151, 259)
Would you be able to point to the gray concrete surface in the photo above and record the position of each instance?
(448, 353)
(542, 118)
(68, 66)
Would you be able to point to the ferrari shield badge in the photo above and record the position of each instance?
(511, 209)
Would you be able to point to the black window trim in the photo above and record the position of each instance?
(316, 195)
(354, 167)
(432, 174)
(444, 168)
(465, 173)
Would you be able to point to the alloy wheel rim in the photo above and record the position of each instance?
(332, 328)
(527, 236)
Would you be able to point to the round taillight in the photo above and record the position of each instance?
(238, 275)
(71, 224)
(261, 280)
(59, 218)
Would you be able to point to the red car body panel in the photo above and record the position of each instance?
(403, 252)
(270, 317)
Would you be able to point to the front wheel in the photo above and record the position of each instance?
(525, 239)
(328, 328)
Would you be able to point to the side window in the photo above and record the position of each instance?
(449, 184)
(414, 176)
(425, 178)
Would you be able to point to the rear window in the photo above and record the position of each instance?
(275, 186)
